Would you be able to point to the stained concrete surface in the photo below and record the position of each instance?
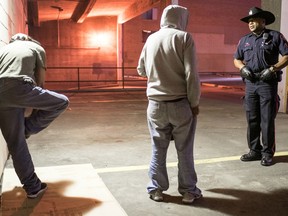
(109, 130)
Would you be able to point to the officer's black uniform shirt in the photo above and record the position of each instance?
(261, 52)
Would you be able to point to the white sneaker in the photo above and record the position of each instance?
(189, 198)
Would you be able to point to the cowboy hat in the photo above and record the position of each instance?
(256, 12)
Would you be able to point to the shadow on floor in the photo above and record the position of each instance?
(240, 202)
(53, 202)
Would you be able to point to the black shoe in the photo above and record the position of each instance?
(35, 194)
(156, 195)
(266, 160)
(251, 156)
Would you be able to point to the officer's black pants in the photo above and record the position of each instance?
(262, 103)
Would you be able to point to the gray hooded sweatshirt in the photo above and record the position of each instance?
(168, 60)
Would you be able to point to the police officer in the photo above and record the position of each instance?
(257, 59)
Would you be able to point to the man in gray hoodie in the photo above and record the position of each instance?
(168, 60)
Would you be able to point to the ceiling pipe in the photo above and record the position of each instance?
(58, 24)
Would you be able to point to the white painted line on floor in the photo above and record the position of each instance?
(120, 100)
(174, 164)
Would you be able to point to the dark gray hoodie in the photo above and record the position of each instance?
(168, 59)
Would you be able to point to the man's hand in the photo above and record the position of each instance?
(267, 74)
(195, 110)
(246, 73)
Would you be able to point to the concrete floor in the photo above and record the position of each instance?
(109, 131)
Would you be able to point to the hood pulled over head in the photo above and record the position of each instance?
(174, 16)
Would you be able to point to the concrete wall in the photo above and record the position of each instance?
(85, 44)
(13, 18)
(215, 25)
(92, 43)
(216, 28)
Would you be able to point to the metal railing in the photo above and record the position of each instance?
(89, 79)
(93, 79)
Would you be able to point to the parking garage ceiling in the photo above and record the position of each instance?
(78, 10)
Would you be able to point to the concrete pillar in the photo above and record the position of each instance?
(280, 9)
(283, 29)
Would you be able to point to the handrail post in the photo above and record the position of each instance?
(123, 84)
(78, 77)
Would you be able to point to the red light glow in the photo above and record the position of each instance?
(100, 39)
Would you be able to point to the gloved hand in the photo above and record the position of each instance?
(267, 74)
(246, 73)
